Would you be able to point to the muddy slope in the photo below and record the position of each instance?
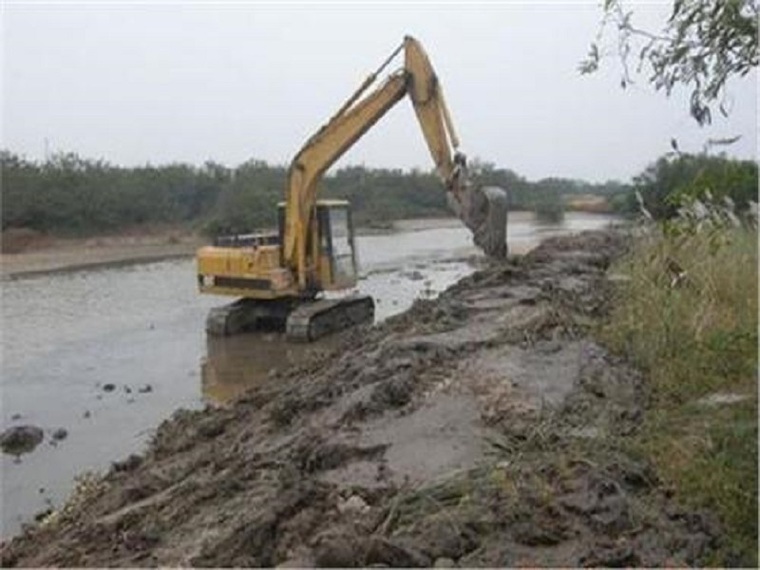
(484, 428)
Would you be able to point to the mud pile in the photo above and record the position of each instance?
(484, 428)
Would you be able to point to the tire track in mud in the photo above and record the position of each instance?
(484, 428)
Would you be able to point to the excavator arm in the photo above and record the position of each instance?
(478, 210)
(319, 153)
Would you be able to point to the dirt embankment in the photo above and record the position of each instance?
(485, 428)
(25, 252)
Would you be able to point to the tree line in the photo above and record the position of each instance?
(68, 194)
(673, 180)
(71, 195)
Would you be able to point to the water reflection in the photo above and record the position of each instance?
(233, 365)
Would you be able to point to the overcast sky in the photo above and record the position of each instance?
(136, 82)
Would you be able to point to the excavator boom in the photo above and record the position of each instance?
(483, 213)
(317, 155)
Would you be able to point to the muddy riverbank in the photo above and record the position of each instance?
(58, 255)
(52, 255)
(483, 428)
(47, 254)
(143, 324)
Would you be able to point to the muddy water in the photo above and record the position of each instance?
(107, 354)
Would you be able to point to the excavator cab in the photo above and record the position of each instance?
(333, 235)
(337, 243)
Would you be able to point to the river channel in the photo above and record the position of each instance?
(109, 353)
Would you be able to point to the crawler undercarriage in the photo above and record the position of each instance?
(302, 321)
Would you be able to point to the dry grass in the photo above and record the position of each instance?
(695, 338)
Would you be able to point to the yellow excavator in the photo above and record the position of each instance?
(280, 277)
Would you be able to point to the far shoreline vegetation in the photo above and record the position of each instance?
(72, 196)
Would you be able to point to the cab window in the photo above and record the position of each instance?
(343, 254)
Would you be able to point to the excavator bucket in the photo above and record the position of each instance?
(483, 209)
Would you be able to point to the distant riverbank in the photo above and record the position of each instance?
(71, 254)
(75, 254)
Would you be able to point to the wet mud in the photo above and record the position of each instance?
(483, 428)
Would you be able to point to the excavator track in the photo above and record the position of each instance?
(304, 322)
(226, 320)
(246, 314)
(316, 319)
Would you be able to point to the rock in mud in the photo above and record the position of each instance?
(605, 506)
(211, 427)
(41, 515)
(354, 504)
(21, 439)
(60, 434)
(394, 393)
(129, 464)
(145, 389)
